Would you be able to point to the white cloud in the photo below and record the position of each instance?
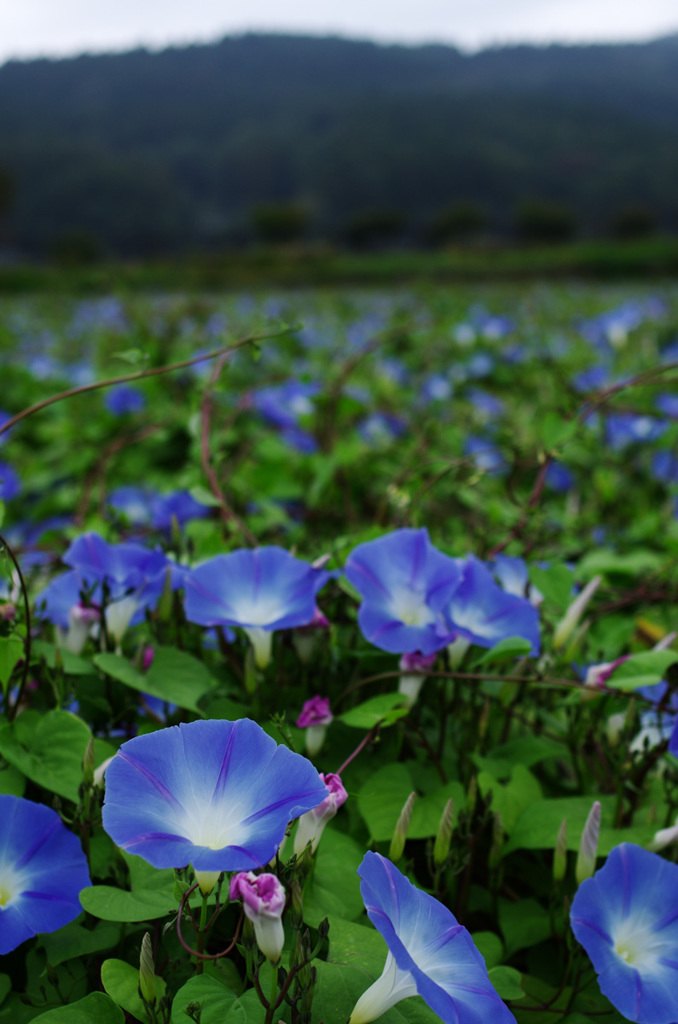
(33, 27)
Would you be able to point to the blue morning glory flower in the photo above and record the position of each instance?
(513, 575)
(42, 871)
(10, 485)
(216, 794)
(664, 467)
(487, 457)
(284, 404)
(261, 590)
(5, 417)
(179, 505)
(380, 428)
(480, 611)
(429, 953)
(134, 575)
(145, 507)
(406, 584)
(125, 399)
(622, 429)
(558, 477)
(668, 404)
(626, 918)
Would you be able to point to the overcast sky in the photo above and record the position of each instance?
(57, 27)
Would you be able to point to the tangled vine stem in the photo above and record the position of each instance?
(194, 952)
(545, 682)
(251, 339)
(12, 709)
(226, 512)
(596, 401)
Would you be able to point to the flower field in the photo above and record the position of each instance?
(338, 661)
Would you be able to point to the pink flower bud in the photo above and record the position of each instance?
(263, 899)
(598, 675)
(147, 658)
(414, 668)
(417, 662)
(310, 826)
(315, 711)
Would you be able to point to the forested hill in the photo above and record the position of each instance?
(147, 151)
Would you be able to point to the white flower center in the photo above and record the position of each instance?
(410, 608)
(10, 887)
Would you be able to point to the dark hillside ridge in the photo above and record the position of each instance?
(147, 152)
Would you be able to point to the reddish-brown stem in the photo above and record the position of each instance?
(363, 743)
(226, 512)
(194, 952)
(138, 375)
(12, 710)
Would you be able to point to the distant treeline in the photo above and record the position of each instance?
(279, 138)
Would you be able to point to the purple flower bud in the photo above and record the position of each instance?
(147, 658)
(311, 824)
(414, 668)
(263, 900)
(315, 711)
(598, 675)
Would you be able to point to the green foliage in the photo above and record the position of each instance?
(174, 676)
(500, 746)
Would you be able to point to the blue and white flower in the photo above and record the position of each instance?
(429, 953)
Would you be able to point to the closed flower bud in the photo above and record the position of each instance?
(147, 971)
(88, 764)
(560, 853)
(402, 826)
(588, 847)
(664, 837)
(314, 718)
(311, 824)
(414, 668)
(572, 616)
(263, 899)
(498, 836)
(456, 651)
(441, 847)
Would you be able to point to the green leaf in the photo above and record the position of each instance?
(510, 800)
(71, 663)
(555, 583)
(48, 748)
(523, 924)
(644, 669)
(381, 800)
(204, 497)
(606, 562)
(537, 827)
(490, 947)
(215, 1000)
(151, 896)
(174, 676)
(74, 940)
(96, 1008)
(505, 650)
(12, 781)
(11, 651)
(5, 986)
(333, 888)
(385, 709)
(554, 430)
(133, 356)
(111, 904)
(121, 981)
(524, 750)
(507, 981)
